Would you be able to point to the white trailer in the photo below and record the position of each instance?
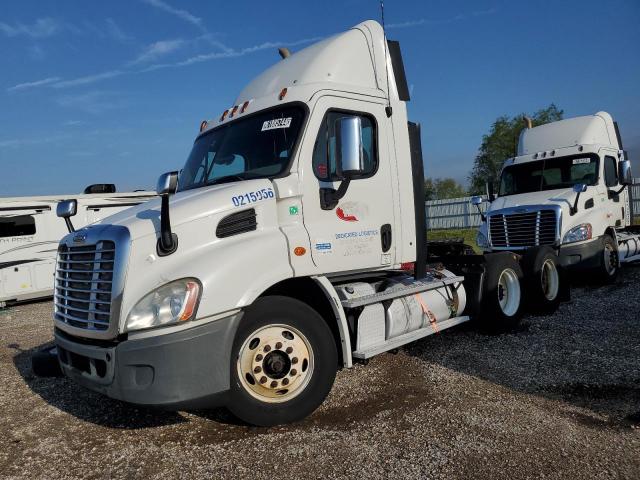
(30, 232)
(567, 189)
(292, 243)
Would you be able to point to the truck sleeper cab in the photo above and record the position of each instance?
(279, 253)
(567, 189)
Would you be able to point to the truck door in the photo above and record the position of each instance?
(615, 203)
(357, 233)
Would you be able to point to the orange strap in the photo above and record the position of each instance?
(432, 318)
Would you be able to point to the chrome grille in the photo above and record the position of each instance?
(84, 281)
(521, 230)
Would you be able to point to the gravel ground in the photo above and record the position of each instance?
(560, 398)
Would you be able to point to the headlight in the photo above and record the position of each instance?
(577, 234)
(171, 303)
(481, 240)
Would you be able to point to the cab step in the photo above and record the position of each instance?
(418, 286)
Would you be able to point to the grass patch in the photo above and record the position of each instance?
(468, 234)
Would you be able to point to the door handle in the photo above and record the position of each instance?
(385, 237)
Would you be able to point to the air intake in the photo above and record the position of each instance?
(237, 223)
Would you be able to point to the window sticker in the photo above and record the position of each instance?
(276, 123)
(578, 161)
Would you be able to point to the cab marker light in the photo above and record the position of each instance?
(283, 93)
(203, 125)
(299, 251)
(233, 111)
(224, 115)
(244, 106)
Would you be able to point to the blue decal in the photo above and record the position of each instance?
(323, 246)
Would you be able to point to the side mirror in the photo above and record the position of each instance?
(579, 188)
(624, 173)
(476, 200)
(167, 183)
(350, 155)
(67, 209)
(168, 241)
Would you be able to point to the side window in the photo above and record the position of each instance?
(610, 172)
(17, 226)
(324, 151)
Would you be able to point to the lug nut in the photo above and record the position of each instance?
(289, 349)
(267, 348)
(257, 370)
(278, 345)
(285, 381)
(258, 357)
(294, 360)
(274, 384)
(293, 372)
(263, 379)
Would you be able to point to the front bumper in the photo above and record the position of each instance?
(582, 256)
(185, 369)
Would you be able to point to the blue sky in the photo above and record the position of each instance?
(96, 92)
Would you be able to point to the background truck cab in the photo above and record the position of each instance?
(567, 188)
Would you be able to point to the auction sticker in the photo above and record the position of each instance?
(276, 123)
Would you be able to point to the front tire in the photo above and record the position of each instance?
(283, 362)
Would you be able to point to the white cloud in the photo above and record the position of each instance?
(43, 27)
(411, 23)
(37, 83)
(182, 14)
(88, 79)
(73, 123)
(92, 102)
(36, 52)
(32, 140)
(159, 49)
(423, 21)
(115, 32)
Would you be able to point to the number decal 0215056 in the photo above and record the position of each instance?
(252, 197)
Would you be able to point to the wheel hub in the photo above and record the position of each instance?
(275, 363)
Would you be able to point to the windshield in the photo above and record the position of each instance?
(259, 146)
(549, 174)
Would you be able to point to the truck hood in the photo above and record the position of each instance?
(562, 197)
(187, 207)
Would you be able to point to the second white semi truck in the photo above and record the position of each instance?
(292, 243)
(568, 190)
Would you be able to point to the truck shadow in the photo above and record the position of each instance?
(84, 404)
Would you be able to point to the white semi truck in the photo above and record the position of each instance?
(291, 243)
(568, 190)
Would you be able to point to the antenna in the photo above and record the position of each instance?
(388, 108)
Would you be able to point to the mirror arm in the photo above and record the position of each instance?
(574, 208)
(482, 215)
(67, 220)
(619, 191)
(329, 197)
(168, 241)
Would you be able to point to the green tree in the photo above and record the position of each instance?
(442, 188)
(501, 143)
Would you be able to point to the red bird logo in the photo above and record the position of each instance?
(347, 218)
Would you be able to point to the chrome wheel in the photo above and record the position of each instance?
(509, 292)
(275, 363)
(550, 280)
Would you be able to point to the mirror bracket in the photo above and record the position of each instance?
(329, 197)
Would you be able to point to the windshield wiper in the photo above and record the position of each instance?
(232, 178)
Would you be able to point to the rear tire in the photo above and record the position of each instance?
(502, 296)
(283, 363)
(607, 272)
(542, 280)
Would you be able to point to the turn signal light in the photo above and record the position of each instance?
(283, 93)
(193, 289)
(299, 251)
